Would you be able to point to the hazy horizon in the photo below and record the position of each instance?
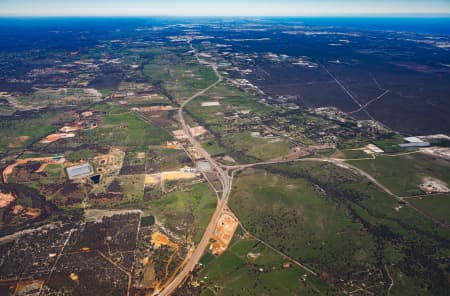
(386, 15)
(244, 8)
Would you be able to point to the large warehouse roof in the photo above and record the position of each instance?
(79, 171)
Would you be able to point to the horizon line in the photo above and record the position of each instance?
(425, 15)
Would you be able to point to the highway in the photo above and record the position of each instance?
(225, 180)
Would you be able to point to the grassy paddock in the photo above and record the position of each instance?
(404, 174)
(189, 210)
(238, 274)
(437, 206)
(126, 129)
(292, 215)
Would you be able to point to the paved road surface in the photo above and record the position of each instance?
(226, 188)
(341, 163)
(226, 181)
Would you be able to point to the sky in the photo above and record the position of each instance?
(220, 7)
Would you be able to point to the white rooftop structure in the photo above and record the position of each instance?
(210, 104)
(203, 166)
(79, 171)
(413, 140)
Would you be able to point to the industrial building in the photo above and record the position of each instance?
(414, 142)
(79, 171)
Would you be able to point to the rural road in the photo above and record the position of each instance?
(225, 180)
(343, 164)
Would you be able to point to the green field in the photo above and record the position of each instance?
(235, 273)
(186, 212)
(296, 219)
(339, 224)
(229, 137)
(162, 159)
(55, 174)
(403, 174)
(354, 154)
(32, 128)
(51, 97)
(180, 76)
(437, 206)
(231, 100)
(127, 130)
(133, 187)
(235, 98)
(214, 148)
(78, 155)
(251, 148)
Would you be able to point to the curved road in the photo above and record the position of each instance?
(341, 163)
(225, 180)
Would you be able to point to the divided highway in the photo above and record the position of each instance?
(225, 180)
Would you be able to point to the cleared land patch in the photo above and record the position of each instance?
(248, 267)
(404, 174)
(187, 213)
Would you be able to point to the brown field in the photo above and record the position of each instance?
(6, 199)
(68, 129)
(154, 179)
(18, 141)
(55, 137)
(173, 145)
(223, 233)
(159, 239)
(155, 108)
(198, 131)
(48, 160)
(23, 286)
(179, 134)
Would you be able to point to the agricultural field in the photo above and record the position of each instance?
(339, 225)
(250, 268)
(103, 193)
(124, 128)
(404, 174)
(230, 119)
(179, 75)
(246, 146)
(437, 205)
(185, 212)
(21, 132)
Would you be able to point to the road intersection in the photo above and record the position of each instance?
(225, 175)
